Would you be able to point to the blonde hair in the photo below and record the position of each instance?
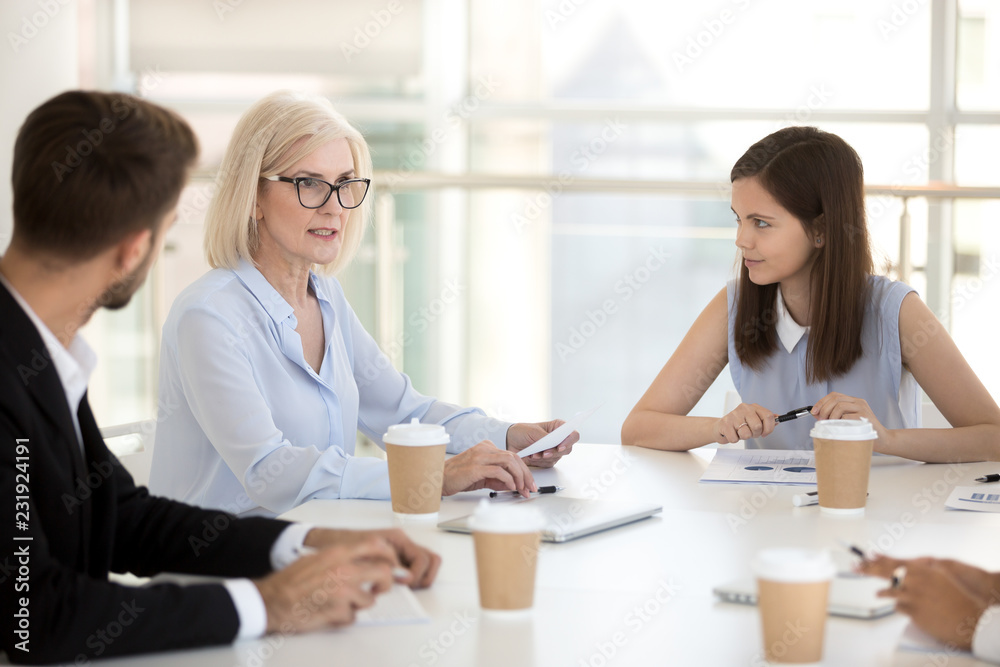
(260, 147)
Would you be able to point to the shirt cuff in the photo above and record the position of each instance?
(290, 545)
(250, 608)
(986, 640)
(365, 477)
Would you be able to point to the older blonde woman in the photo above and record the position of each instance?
(266, 373)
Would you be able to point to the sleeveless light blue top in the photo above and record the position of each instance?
(878, 376)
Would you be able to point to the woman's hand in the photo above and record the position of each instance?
(841, 406)
(486, 467)
(748, 420)
(520, 436)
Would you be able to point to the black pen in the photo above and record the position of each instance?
(541, 489)
(794, 414)
(988, 478)
(857, 552)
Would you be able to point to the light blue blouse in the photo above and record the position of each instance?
(878, 376)
(246, 425)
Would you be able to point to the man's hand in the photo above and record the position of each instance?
(486, 467)
(520, 436)
(422, 563)
(327, 588)
(936, 600)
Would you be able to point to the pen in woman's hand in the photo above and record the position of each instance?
(794, 414)
(541, 490)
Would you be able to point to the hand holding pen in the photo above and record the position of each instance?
(794, 414)
(540, 491)
(750, 420)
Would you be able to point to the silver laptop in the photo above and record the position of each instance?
(851, 596)
(569, 518)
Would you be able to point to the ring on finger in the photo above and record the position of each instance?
(742, 425)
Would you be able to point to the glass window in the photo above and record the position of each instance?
(978, 57)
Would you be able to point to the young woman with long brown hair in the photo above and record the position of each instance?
(807, 322)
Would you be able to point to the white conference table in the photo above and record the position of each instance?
(641, 594)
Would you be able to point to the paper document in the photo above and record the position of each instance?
(916, 640)
(553, 439)
(762, 466)
(975, 498)
(396, 606)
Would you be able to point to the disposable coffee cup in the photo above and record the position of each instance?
(843, 450)
(416, 468)
(506, 540)
(793, 586)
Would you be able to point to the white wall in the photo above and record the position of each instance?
(38, 58)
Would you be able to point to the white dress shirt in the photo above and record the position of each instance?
(986, 641)
(248, 426)
(74, 365)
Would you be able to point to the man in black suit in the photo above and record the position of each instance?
(96, 182)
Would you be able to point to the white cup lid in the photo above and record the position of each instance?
(506, 518)
(416, 434)
(794, 565)
(843, 429)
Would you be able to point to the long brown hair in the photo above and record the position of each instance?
(818, 178)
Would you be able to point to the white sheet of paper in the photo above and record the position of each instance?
(558, 435)
(791, 467)
(917, 641)
(985, 498)
(396, 606)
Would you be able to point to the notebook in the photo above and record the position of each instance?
(851, 596)
(569, 518)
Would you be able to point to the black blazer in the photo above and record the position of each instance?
(83, 516)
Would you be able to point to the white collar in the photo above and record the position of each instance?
(789, 331)
(74, 364)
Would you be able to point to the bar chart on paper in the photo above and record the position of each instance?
(762, 466)
(974, 499)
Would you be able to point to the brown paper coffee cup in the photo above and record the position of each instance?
(416, 467)
(793, 619)
(505, 566)
(843, 449)
(506, 539)
(842, 469)
(793, 587)
(416, 475)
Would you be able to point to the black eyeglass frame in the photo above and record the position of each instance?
(333, 188)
